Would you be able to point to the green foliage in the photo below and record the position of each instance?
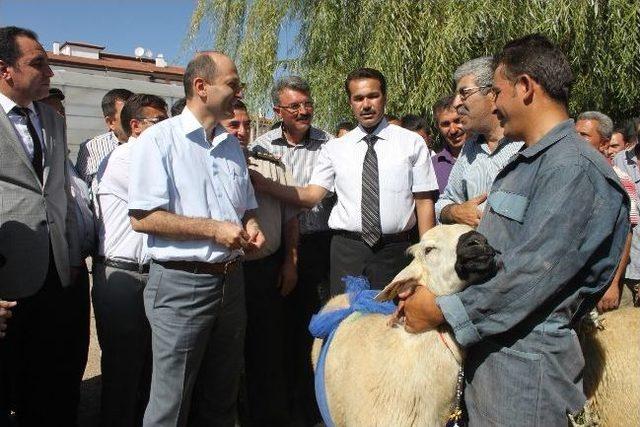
(418, 45)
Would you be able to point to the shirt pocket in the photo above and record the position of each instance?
(237, 185)
(509, 205)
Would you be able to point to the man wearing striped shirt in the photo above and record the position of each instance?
(93, 151)
(483, 155)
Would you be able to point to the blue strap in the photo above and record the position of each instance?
(324, 325)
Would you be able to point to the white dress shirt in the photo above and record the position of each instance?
(117, 240)
(20, 124)
(174, 167)
(404, 168)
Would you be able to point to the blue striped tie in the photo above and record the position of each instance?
(370, 206)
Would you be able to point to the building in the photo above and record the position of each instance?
(84, 73)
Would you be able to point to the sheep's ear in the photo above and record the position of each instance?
(407, 278)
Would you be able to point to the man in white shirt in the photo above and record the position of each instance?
(384, 182)
(190, 192)
(120, 274)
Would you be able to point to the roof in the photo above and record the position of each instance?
(83, 44)
(122, 63)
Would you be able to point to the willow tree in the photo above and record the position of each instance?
(418, 43)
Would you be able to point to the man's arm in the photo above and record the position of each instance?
(307, 197)
(454, 192)
(178, 227)
(425, 211)
(82, 162)
(611, 299)
(289, 271)
(252, 228)
(467, 212)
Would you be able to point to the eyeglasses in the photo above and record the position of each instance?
(466, 92)
(153, 120)
(296, 106)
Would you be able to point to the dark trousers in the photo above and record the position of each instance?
(351, 257)
(43, 355)
(264, 344)
(125, 339)
(305, 300)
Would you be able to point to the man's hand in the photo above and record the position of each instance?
(256, 238)
(611, 299)
(468, 212)
(5, 313)
(231, 235)
(288, 277)
(419, 309)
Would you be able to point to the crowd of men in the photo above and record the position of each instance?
(210, 251)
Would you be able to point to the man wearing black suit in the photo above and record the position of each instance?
(41, 354)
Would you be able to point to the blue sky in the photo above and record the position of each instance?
(158, 25)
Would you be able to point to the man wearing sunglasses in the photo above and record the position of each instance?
(297, 143)
(484, 154)
(120, 275)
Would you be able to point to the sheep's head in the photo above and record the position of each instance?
(447, 259)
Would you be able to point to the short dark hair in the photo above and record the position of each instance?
(110, 98)
(133, 108)
(366, 73)
(628, 131)
(203, 66)
(540, 59)
(178, 106)
(346, 125)
(289, 82)
(9, 51)
(239, 105)
(442, 104)
(414, 122)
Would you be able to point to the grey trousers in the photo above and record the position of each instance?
(125, 340)
(197, 338)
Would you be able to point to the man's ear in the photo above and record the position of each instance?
(4, 70)
(110, 121)
(526, 86)
(276, 110)
(199, 86)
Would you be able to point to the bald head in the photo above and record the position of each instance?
(205, 65)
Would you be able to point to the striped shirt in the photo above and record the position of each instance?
(627, 162)
(300, 159)
(475, 170)
(630, 188)
(90, 155)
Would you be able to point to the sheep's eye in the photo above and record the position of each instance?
(427, 250)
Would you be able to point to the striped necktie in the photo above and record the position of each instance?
(37, 147)
(370, 206)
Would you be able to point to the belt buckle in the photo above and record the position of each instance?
(228, 265)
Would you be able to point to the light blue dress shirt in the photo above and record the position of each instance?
(174, 167)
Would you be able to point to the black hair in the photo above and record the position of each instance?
(110, 98)
(9, 51)
(442, 104)
(415, 123)
(133, 108)
(537, 57)
(366, 73)
(346, 125)
(202, 66)
(178, 106)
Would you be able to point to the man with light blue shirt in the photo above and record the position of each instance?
(190, 192)
(485, 152)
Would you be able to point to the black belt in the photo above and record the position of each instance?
(123, 265)
(199, 267)
(405, 236)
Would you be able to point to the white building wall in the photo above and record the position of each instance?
(83, 95)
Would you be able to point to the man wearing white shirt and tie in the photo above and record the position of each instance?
(385, 184)
(190, 192)
(120, 275)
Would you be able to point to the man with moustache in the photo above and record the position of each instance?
(385, 186)
(559, 218)
(190, 192)
(43, 353)
(486, 151)
(297, 144)
(449, 125)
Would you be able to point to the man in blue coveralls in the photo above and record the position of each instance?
(559, 216)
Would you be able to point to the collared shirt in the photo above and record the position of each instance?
(627, 161)
(475, 170)
(86, 232)
(560, 218)
(443, 162)
(91, 153)
(20, 124)
(404, 165)
(175, 167)
(300, 159)
(117, 240)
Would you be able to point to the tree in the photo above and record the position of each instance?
(418, 44)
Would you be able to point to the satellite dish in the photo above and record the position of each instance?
(139, 51)
(148, 53)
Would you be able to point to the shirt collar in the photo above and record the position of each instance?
(561, 130)
(314, 134)
(382, 131)
(445, 154)
(630, 154)
(8, 104)
(190, 125)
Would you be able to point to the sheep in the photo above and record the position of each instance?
(374, 386)
(611, 349)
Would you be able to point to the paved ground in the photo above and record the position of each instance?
(90, 389)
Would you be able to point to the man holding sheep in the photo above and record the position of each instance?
(559, 216)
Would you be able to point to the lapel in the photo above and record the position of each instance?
(8, 134)
(46, 121)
